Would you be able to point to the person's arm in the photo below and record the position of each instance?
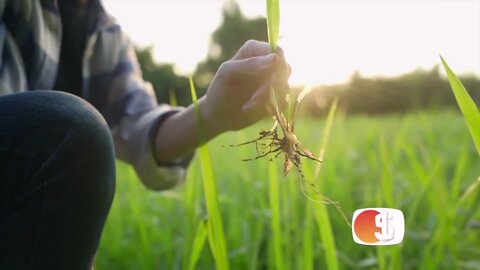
(235, 99)
(158, 140)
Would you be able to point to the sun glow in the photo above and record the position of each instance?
(324, 41)
(328, 42)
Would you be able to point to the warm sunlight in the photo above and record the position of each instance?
(178, 32)
(378, 38)
(326, 41)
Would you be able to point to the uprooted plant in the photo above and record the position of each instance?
(271, 143)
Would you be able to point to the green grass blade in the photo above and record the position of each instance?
(198, 244)
(325, 136)
(469, 191)
(307, 240)
(320, 209)
(273, 22)
(273, 26)
(142, 233)
(216, 233)
(274, 200)
(386, 180)
(189, 203)
(466, 104)
(197, 109)
(326, 234)
(172, 98)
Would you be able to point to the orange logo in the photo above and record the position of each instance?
(378, 226)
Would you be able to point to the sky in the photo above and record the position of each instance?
(325, 41)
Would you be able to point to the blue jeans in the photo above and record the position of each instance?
(57, 180)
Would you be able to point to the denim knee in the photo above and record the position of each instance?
(54, 119)
(91, 139)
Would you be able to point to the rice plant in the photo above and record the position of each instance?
(433, 167)
(269, 141)
(213, 226)
(466, 104)
(421, 162)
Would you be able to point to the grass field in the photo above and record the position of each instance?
(422, 163)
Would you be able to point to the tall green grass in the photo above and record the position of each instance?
(421, 163)
(198, 243)
(320, 210)
(273, 22)
(213, 224)
(471, 115)
(273, 30)
(432, 166)
(466, 104)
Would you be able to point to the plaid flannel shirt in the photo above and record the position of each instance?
(30, 37)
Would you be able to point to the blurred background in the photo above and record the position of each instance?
(398, 139)
(375, 56)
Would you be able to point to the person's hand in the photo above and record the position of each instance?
(239, 91)
(236, 98)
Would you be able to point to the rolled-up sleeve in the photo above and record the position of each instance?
(30, 37)
(131, 109)
(133, 141)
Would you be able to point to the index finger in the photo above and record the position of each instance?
(253, 48)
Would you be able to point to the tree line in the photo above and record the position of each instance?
(419, 89)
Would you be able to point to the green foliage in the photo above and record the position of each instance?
(163, 78)
(416, 90)
(419, 89)
(432, 165)
(320, 209)
(274, 203)
(273, 25)
(234, 31)
(466, 104)
(273, 22)
(215, 233)
(198, 244)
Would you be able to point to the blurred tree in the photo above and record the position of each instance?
(228, 38)
(420, 89)
(225, 41)
(163, 78)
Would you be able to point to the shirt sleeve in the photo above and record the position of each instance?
(133, 139)
(134, 116)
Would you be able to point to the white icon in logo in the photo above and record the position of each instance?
(387, 230)
(378, 226)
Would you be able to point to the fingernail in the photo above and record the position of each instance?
(269, 59)
(280, 52)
